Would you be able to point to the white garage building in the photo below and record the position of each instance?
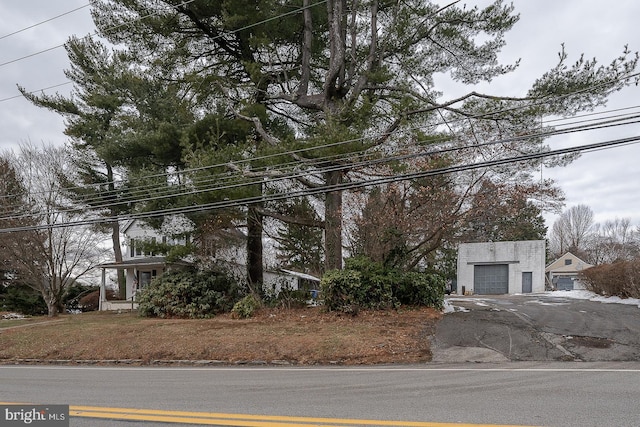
(493, 268)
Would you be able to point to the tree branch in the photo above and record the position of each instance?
(291, 219)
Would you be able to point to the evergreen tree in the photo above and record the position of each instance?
(92, 114)
(340, 70)
(342, 81)
(300, 243)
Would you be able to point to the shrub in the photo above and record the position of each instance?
(282, 295)
(189, 294)
(426, 289)
(367, 284)
(246, 306)
(22, 299)
(618, 279)
(91, 301)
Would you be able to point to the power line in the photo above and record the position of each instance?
(332, 188)
(568, 121)
(95, 33)
(184, 3)
(289, 171)
(36, 91)
(357, 160)
(44, 22)
(295, 11)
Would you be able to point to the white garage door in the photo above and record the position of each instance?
(491, 279)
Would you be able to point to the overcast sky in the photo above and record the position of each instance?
(606, 181)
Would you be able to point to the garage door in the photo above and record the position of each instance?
(564, 284)
(491, 279)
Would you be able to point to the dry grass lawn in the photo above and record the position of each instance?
(296, 336)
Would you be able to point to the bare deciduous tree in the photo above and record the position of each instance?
(572, 230)
(47, 255)
(615, 240)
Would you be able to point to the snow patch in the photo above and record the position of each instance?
(450, 308)
(591, 296)
(13, 316)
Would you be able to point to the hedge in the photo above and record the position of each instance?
(369, 285)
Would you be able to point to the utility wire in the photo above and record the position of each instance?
(332, 188)
(36, 91)
(287, 171)
(44, 22)
(184, 3)
(240, 162)
(295, 11)
(239, 181)
(290, 170)
(95, 33)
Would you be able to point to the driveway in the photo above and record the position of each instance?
(536, 327)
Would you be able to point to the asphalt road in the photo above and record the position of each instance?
(550, 394)
(545, 327)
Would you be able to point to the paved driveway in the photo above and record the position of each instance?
(540, 327)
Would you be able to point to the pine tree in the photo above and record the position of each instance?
(342, 81)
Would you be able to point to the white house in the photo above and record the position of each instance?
(141, 267)
(563, 273)
(493, 268)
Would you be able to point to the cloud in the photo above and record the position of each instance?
(19, 119)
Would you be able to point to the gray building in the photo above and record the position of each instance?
(494, 268)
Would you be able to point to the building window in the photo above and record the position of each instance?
(567, 262)
(145, 278)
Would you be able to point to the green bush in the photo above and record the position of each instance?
(369, 285)
(246, 306)
(189, 294)
(282, 295)
(426, 289)
(362, 284)
(22, 299)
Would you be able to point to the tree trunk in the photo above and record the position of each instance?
(52, 309)
(115, 237)
(254, 247)
(117, 252)
(50, 300)
(333, 223)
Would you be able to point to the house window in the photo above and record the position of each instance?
(132, 248)
(145, 278)
(567, 262)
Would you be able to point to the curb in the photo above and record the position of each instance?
(142, 362)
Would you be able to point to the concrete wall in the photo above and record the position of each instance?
(521, 256)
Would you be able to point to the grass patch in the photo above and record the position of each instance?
(297, 336)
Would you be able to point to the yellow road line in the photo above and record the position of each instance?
(241, 420)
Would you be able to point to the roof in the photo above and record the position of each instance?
(127, 225)
(559, 265)
(158, 261)
(300, 275)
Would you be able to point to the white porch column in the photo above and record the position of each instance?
(103, 290)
